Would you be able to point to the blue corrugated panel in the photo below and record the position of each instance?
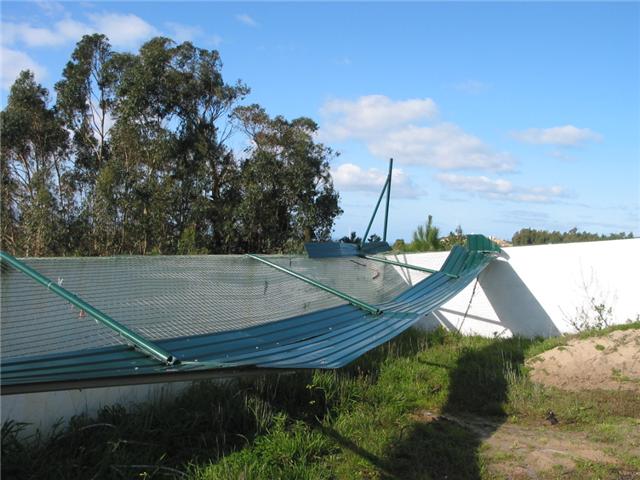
(331, 249)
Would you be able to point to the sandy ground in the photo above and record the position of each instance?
(611, 362)
(519, 452)
(511, 451)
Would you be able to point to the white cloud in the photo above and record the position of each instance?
(500, 189)
(396, 129)
(50, 7)
(123, 30)
(567, 135)
(371, 115)
(246, 19)
(353, 178)
(13, 62)
(444, 146)
(71, 31)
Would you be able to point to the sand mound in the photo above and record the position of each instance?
(610, 362)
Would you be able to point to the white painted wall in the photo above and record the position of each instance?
(534, 293)
(43, 410)
(540, 288)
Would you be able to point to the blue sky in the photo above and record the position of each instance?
(499, 116)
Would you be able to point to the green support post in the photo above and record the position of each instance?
(386, 210)
(375, 210)
(353, 301)
(139, 342)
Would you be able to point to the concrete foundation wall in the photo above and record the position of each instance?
(537, 292)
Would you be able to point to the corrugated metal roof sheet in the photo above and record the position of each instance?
(327, 338)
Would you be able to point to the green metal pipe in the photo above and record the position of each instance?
(375, 210)
(353, 301)
(407, 265)
(386, 210)
(139, 342)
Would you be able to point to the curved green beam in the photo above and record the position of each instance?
(139, 342)
(407, 265)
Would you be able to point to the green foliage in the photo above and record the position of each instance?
(149, 168)
(34, 166)
(529, 236)
(425, 238)
(351, 238)
(286, 186)
(399, 245)
(454, 238)
(374, 238)
(187, 244)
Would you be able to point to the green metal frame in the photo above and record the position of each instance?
(386, 210)
(353, 301)
(139, 342)
(407, 265)
(386, 188)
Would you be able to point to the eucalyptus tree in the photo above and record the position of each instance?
(85, 98)
(34, 179)
(287, 190)
(170, 133)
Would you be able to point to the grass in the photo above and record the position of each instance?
(370, 421)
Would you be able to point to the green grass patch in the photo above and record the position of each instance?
(366, 421)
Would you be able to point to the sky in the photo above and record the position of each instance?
(498, 116)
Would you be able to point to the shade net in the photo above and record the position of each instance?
(162, 297)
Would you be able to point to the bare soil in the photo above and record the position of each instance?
(546, 449)
(538, 451)
(611, 362)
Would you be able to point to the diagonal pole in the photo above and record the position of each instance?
(138, 341)
(352, 300)
(386, 210)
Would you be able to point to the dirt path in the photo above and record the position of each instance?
(548, 450)
(534, 452)
(610, 362)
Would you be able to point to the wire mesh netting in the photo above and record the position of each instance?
(165, 297)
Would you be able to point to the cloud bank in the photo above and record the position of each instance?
(501, 189)
(352, 178)
(410, 132)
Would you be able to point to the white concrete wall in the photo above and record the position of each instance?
(541, 288)
(535, 293)
(43, 410)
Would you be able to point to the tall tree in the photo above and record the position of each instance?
(149, 168)
(34, 146)
(85, 97)
(171, 103)
(288, 194)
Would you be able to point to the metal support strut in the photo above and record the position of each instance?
(386, 188)
(139, 342)
(386, 210)
(353, 301)
(407, 265)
